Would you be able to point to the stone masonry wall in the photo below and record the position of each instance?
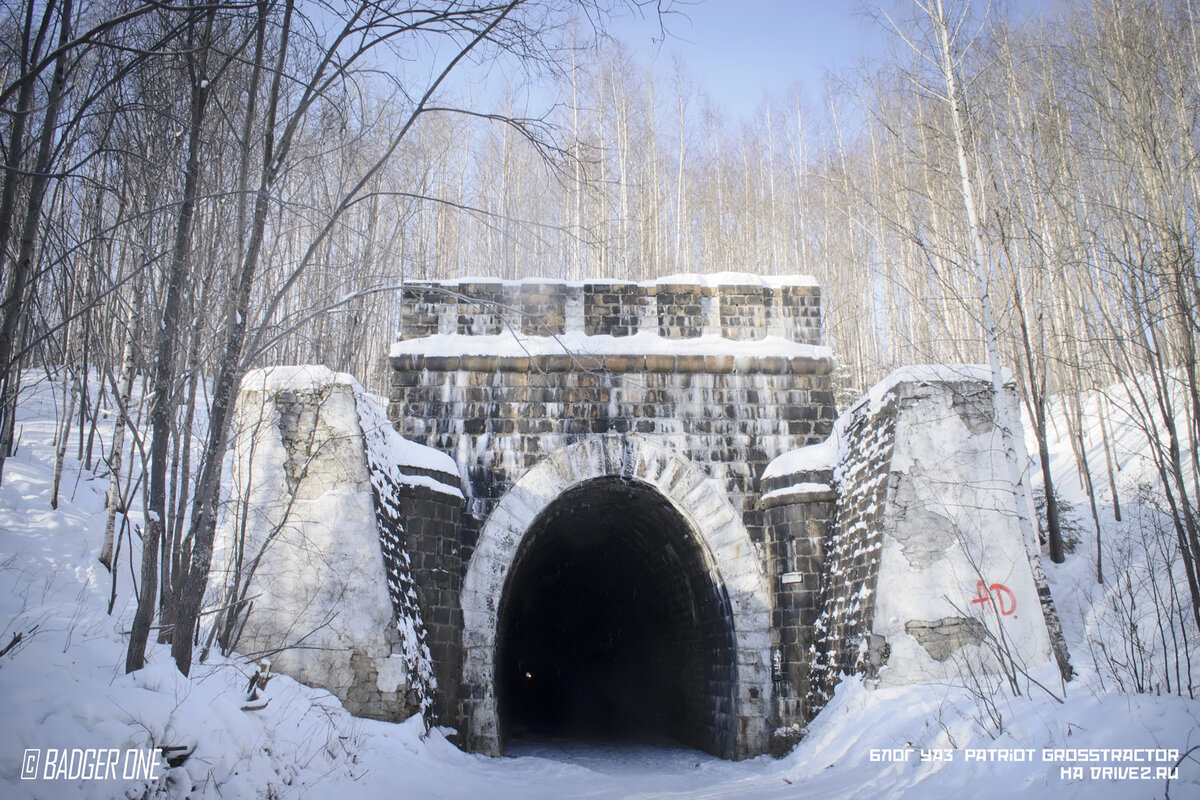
(926, 574)
(355, 536)
(406, 605)
(728, 306)
(612, 308)
(431, 524)
(501, 416)
(957, 594)
(842, 642)
(800, 509)
(498, 415)
(309, 546)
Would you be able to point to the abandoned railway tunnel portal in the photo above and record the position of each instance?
(610, 437)
(610, 510)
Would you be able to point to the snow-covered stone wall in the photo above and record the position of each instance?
(724, 369)
(842, 638)
(314, 552)
(956, 590)
(926, 575)
(827, 539)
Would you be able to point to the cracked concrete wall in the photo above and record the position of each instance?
(303, 499)
(927, 576)
(954, 578)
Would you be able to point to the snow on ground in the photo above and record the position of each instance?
(64, 687)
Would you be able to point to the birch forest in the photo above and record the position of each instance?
(194, 188)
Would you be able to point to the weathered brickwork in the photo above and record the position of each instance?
(842, 642)
(424, 309)
(744, 312)
(797, 313)
(480, 309)
(612, 309)
(418, 535)
(406, 604)
(798, 524)
(499, 416)
(682, 309)
(736, 310)
(543, 308)
(925, 558)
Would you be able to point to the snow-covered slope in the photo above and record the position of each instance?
(63, 687)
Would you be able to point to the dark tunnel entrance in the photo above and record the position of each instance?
(611, 627)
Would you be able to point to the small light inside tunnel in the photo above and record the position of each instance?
(528, 676)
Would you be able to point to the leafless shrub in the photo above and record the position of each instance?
(1142, 637)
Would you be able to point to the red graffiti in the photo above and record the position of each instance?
(1005, 603)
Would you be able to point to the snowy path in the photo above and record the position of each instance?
(834, 763)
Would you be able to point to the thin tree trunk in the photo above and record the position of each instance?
(115, 502)
(980, 264)
(70, 393)
(1109, 446)
(22, 275)
(161, 407)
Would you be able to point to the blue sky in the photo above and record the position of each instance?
(739, 51)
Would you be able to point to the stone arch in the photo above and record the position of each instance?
(721, 536)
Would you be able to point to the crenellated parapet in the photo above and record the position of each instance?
(731, 306)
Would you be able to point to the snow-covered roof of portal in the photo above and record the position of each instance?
(933, 373)
(707, 279)
(814, 457)
(514, 344)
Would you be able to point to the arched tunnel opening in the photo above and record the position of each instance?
(612, 627)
